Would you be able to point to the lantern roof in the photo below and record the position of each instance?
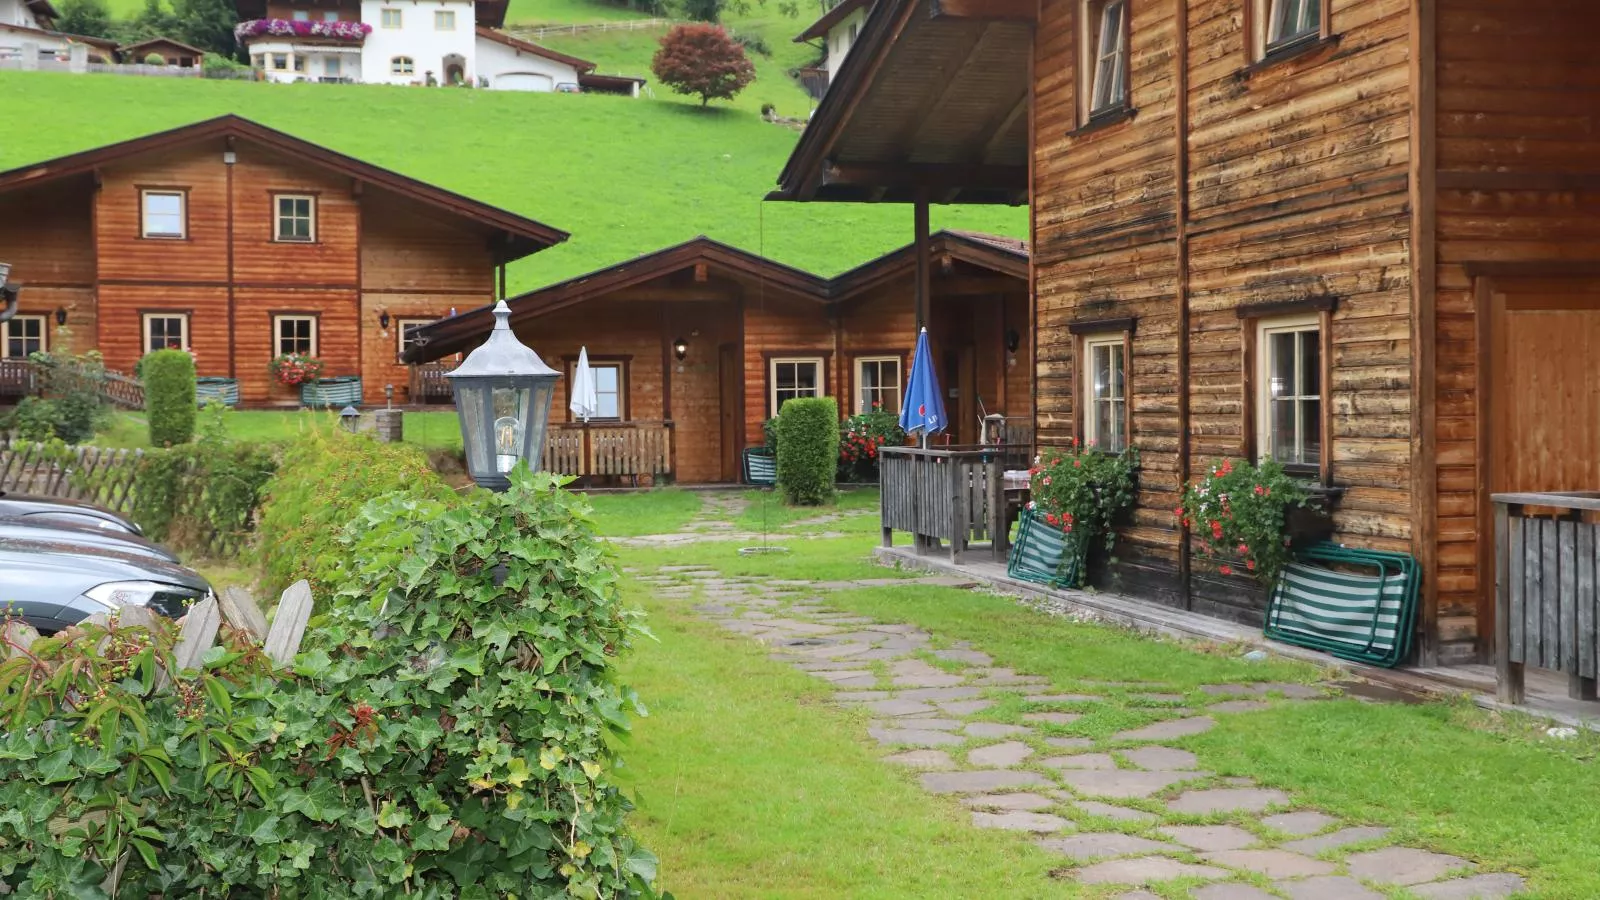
(502, 354)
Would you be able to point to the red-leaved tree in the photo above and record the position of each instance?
(701, 59)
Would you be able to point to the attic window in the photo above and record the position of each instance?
(162, 213)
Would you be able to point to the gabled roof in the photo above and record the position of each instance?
(841, 11)
(42, 9)
(500, 37)
(1005, 256)
(150, 42)
(523, 235)
(102, 43)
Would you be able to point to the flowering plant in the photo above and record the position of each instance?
(291, 369)
(340, 31)
(860, 439)
(1082, 490)
(1238, 511)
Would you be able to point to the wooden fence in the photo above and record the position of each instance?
(535, 34)
(952, 495)
(17, 378)
(26, 378)
(1547, 589)
(616, 449)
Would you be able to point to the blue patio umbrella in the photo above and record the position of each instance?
(923, 409)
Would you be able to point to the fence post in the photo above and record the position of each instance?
(1509, 686)
(999, 536)
(958, 508)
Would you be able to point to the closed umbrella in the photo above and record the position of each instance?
(923, 409)
(585, 399)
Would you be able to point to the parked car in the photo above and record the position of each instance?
(54, 584)
(28, 506)
(48, 528)
(567, 87)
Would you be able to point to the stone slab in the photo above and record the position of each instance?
(1271, 863)
(1146, 870)
(864, 680)
(1293, 691)
(981, 781)
(970, 657)
(1341, 838)
(1302, 822)
(1052, 718)
(1402, 865)
(1097, 845)
(1063, 698)
(1081, 761)
(964, 707)
(1122, 783)
(1238, 706)
(919, 722)
(994, 730)
(1210, 837)
(1232, 891)
(1479, 887)
(1136, 895)
(1038, 823)
(939, 693)
(927, 681)
(1173, 728)
(898, 707)
(1336, 887)
(914, 737)
(1069, 743)
(1000, 756)
(1227, 800)
(1014, 801)
(1113, 812)
(922, 759)
(1164, 759)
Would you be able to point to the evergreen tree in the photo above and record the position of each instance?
(91, 18)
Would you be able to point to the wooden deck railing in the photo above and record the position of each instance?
(17, 378)
(955, 495)
(428, 384)
(610, 449)
(1547, 589)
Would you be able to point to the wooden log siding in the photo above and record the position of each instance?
(1547, 589)
(943, 495)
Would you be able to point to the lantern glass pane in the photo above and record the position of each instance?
(512, 415)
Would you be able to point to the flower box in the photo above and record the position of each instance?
(342, 390)
(212, 388)
(351, 32)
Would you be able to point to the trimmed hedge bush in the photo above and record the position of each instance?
(808, 447)
(169, 397)
(323, 480)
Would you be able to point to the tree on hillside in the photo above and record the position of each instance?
(91, 18)
(702, 59)
(713, 10)
(208, 24)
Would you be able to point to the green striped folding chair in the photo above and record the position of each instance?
(1349, 614)
(1038, 554)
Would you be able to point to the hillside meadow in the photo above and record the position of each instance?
(624, 176)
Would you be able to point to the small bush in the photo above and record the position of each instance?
(34, 419)
(202, 496)
(808, 445)
(72, 406)
(323, 480)
(769, 433)
(169, 397)
(154, 59)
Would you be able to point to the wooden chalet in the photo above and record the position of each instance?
(1359, 236)
(240, 243)
(697, 345)
(173, 53)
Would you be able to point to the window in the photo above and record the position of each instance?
(1291, 21)
(1289, 399)
(330, 67)
(302, 15)
(444, 20)
(295, 218)
(299, 63)
(330, 15)
(404, 328)
(23, 335)
(854, 29)
(791, 378)
(1105, 60)
(401, 65)
(280, 61)
(258, 61)
(389, 18)
(163, 214)
(608, 389)
(165, 331)
(294, 334)
(878, 381)
(1105, 392)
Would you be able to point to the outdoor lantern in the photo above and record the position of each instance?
(680, 347)
(8, 292)
(502, 392)
(61, 315)
(383, 320)
(348, 417)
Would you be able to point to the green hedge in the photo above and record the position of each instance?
(169, 397)
(808, 446)
(323, 480)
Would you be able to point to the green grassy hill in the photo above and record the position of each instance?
(624, 176)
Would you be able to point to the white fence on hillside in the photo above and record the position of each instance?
(542, 31)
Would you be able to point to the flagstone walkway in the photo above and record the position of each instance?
(1126, 810)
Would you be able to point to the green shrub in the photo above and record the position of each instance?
(449, 729)
(202, 496)
(34, 419)
(808, 445)
(323, 480)
(169, 397)
(71, 406)
(154, 59)
(861, 436)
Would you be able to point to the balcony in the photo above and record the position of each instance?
(328, 32)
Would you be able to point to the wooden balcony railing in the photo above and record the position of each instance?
(428, 384)
(955, 495)
(17, 378)
(1547, 589)
(610, 449)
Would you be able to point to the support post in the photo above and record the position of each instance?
(1509, 686)
(958, 508)
(920, 239)
(994, 471)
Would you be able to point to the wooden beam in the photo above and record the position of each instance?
(929, 176)
(686, 294)
(1181, 215)
(986, 10)
(919, 229)
(1465, 180)
(1424, 192)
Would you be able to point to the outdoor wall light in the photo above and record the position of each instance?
(1013, 340)
(61, 315)
(680, 348)
(348, 417)
(383, 319)
(8, 293)
(502, 392)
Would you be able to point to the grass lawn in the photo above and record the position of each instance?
(429, 430)
(569, 12)
(649, 512)
(853, 511)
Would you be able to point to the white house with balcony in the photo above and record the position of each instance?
(837, 30)
(428, 42)
(30, 25)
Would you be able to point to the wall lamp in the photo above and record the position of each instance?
(680, 348)
(383, 319)
(61, 315)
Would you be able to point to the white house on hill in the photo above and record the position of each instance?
(837, 30)
(31, 24)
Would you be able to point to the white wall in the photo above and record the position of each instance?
(496, 60)
(315, 57)
(839, 40)
(13, 12)
(416, 38)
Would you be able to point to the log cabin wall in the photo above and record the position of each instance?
(49, 242)
(1518, 182)
(782, 326)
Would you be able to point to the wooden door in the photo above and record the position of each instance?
(731, 409)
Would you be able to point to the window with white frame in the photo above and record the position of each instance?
(1292, 21)
(294, 334)
(878, 384)
(1105, 63)
(1105, 391)
(299, 63)
(389, 18)
(162, 213)
(294, 218)
(1289, 395)
(402, 65)
(330, 15)
(607, 390)
(331, 67)
(302, 15)
(23, 335)
(791, 378)
(165, 331)
(444, 20)
(280, 61)
(405, 330)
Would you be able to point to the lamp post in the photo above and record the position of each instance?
(502, 392)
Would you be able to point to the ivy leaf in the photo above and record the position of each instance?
(642, 863)
(518, 772)
(392, 816)
(261, 826)
(57, 767)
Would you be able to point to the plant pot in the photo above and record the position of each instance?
(342, 390)
(213, 388)
(1307, 525)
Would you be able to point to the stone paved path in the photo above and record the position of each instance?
(1127, 810)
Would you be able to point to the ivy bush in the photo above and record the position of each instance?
(1082, 491)
(169, 396)
(448, 730)
(324, 478)
(808, 445)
